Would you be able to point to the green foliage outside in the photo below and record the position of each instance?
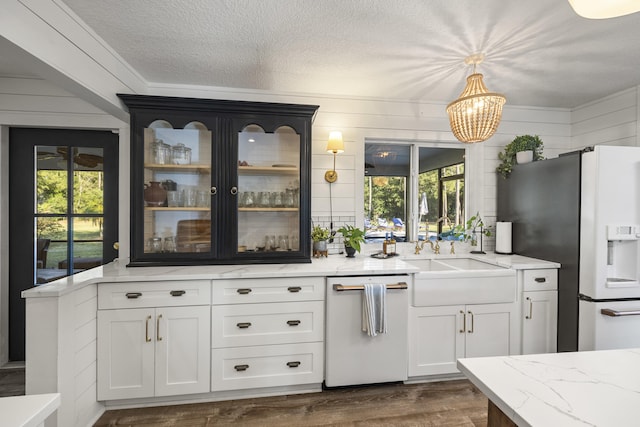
(52, 199)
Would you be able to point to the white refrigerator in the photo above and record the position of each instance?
(609, 281)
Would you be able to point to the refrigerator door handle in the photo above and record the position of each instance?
(614, 313)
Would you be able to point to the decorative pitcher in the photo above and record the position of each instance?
(154, 194)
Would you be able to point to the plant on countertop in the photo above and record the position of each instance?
(468, 230)
(519, 143)
(318, 234)
(353, 236)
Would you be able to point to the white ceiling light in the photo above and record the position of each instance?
(602, 9)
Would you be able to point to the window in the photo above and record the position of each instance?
(389, 204)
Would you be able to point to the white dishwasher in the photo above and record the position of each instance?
(353, 357)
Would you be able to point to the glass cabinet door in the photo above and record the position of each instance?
(178, 190)
(268, 199)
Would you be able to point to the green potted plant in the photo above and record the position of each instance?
(319, 235)
(353, 237)
(470, 230)
(521, 147)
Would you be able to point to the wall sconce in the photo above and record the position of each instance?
(335, 146)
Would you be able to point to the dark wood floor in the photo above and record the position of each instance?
(11, 382)
(448, 403)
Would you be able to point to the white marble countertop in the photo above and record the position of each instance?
(591, 388)
(334, 265)
(27, 411)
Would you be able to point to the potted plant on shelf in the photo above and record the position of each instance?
(353, 237)
(469, 231)
(523, 149)
(319, 235)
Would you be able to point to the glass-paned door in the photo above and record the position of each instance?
(178, 193)
(63, 210)
(268, 193)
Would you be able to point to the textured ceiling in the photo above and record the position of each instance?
(538, 53)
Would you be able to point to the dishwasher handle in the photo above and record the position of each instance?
(339, 288)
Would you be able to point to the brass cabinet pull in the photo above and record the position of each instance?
(540, 279)
(240, 368)
(234, 190)
(243, 325)
(464, 321)
(213, 191)
(133, 295)
(293, 322)
(471, 330)
(146, 330)
(243, 291)
(293, 364)
(158, 337)
(294, 288)
(530, 315)
(177, 293)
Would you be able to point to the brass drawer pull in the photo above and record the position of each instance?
(464, 321)
(293, 322)
(540, 279)
(241, 368)
(133, 295)
(471, 330)
(243, 325)
(244, 291)
(293, 364)
(177, 293)
(294, 288)
(530, 315)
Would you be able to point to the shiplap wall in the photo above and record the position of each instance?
(613, 120)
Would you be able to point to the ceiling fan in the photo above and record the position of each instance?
(83, 159)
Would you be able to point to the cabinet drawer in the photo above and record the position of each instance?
(261, 324)
(267, 366)
(154, 294)
(541, 280)
(268, 290)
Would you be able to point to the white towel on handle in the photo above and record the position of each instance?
(374, 309)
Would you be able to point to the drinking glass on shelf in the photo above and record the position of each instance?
(190, 193)
(270, 243)
(283, 243)
(265, 199)
(169, 244)
(294, 242)
(173, 199)
(276, 200)
(203, 198)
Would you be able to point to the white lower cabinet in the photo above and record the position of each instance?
(442, 334)
(539, 311)
(145, 351)
(539, 322)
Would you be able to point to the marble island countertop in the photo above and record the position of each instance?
(333, 265)
(591, 388)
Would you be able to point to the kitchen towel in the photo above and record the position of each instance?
(503, 237)
(374, 310)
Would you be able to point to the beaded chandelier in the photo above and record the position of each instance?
(476, 114)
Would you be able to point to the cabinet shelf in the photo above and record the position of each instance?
(203, 169)
(268, 170)
(268, 209)
(176, 208)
